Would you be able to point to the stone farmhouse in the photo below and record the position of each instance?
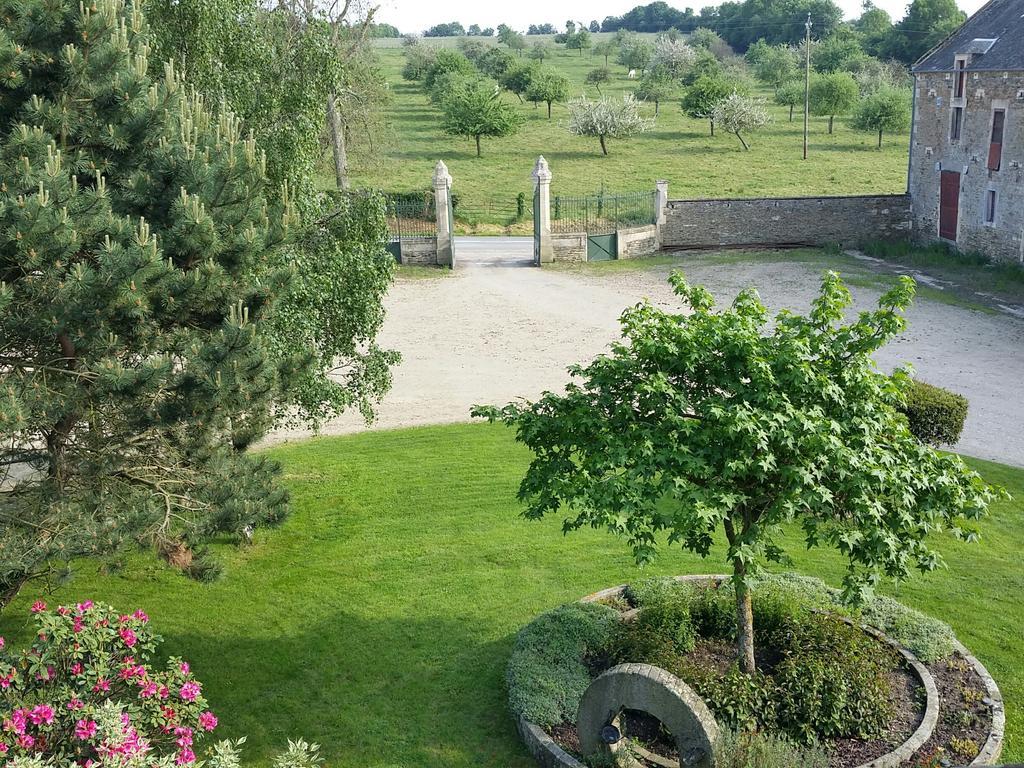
(966, 178)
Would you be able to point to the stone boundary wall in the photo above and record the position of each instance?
(638, 241)
(420, 250)
(784, 221)
(571, 247)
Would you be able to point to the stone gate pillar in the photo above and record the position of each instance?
(542, 213)
(442, 197)
(660, 206)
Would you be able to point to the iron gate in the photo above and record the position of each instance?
(411, 217)
(600, 216)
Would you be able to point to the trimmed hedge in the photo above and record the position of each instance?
(547, 674)
(935, 415)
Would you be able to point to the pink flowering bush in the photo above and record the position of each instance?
(86, 692)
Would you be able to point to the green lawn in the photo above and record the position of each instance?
(379, 619)
(678, 149)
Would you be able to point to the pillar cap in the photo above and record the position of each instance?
(541, 172)
(441, 176)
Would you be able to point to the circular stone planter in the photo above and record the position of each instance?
(550, 755)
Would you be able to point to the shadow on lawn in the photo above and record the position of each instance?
(423, 692)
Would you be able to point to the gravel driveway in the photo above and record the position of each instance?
(497, 329)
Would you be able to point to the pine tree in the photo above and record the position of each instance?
(136, 241)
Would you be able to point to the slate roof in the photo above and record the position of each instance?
(998, 20)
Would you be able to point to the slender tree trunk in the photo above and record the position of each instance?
(604, 149)
(337, 143)
(744, 622)
(549, 110)
(791, 113)
(478, 146)
(742, 141)
(831, 118)
(9, 589)
(712, 127)
(744, 611)
(657, 107)
(879, 138)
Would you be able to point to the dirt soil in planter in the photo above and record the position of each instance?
(964, 720)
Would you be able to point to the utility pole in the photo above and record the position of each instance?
(807, 81)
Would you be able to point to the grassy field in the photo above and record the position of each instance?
(679, 149)
(379, 619)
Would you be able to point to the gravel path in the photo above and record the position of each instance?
(498, 329)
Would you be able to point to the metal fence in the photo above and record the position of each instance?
(602, 213)
(501, 209)
(411, 215)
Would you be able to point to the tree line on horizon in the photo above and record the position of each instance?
(741, 23)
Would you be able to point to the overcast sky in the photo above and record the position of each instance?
(417, 15)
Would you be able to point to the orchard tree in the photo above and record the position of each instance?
(714, 422)
(701, 98)
(597, 76)
(885, 110)
(607, 119)
(635, 53)
(832, 95)
(740, 114)
(838, 52)
(547, 86)
(447, 61)
(140, 259)
(776, 65)
(477, 110)
(541, 50)
(657, 88)
(517, 79)
(790, 95)
(605, 49)
(672, 57)
(578, 41)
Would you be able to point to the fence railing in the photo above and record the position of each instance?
(411, 215)
(602, 213)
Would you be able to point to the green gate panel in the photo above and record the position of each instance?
(601, 247)
(395, 249)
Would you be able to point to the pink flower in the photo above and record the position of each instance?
(148, 689)
(190, 690)
(77, 625)
(185, 757)
(76, 668)
(38, 606)
(25, 741)
(41, 714)
(101, 685)
(3, 749)
(83, 607)
(85, 729)
(184, 668)
(207, 721)
(141, 616)
(63, 610)
(75, 704)
(1, 642)
(128, 636)
(17, 721)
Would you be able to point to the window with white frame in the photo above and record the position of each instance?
(990, 206)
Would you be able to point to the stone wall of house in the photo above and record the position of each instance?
(569, 247)
(784, 221)
(933, 151)
(635, 242)
(421, 250)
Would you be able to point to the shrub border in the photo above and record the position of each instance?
(549, 755)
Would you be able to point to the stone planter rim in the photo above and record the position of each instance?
(551, 755)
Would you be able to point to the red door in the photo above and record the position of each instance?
(949, 204)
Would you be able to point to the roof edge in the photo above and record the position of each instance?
(947, 38)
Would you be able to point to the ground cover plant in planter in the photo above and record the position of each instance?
(826, 692)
